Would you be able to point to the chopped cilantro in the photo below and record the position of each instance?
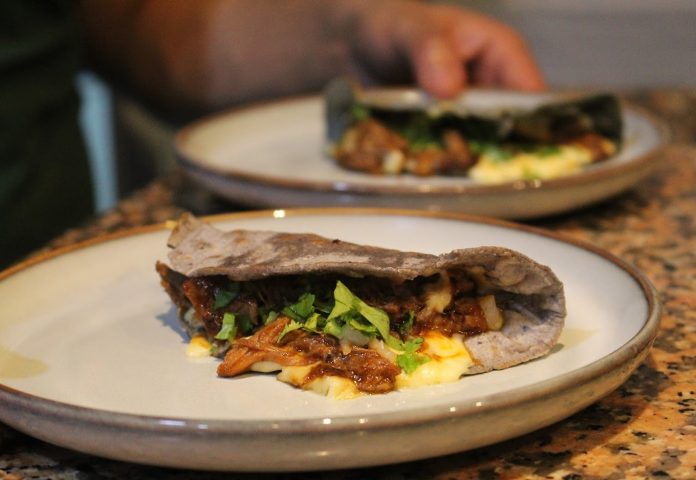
(324, 305)
(244, 324)
(494, 151)
(314, 323)
(333, 328)
(409, 361)
(498, 154)
(362, 327)
(412, 345)
(292, 326)
(422, 144)
(406, 327)
(271, 317)
(344, 301)
(224, 296)
(349, 318)
(228, 331)
(547, 150)
(302, 309)
(477, 148)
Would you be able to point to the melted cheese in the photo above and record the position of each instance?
(198, 347)
(265, 367)
(338, 388)
(529, 166)
(449, 360)
(439, 295)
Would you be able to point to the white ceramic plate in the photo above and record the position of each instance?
(273, 155)
(91, 357)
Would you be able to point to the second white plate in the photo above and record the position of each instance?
(273, 155)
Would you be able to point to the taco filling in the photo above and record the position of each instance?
(551, 141)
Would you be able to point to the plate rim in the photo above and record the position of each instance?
(643, 161)
(14, 399)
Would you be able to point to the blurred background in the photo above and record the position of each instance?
(586, 44)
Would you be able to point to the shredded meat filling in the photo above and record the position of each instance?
(367, 145)
(262, 346)
(370, 372)
(463, 316)
(371, 147)
(595, 144)
(399, 301)
(367, 369)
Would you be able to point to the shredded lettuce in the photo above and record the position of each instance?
(231, 324)
(333, 328)
(354, 311)
(314, 322)
(228, 331)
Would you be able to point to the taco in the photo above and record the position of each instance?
(382, 132)
(344, 319)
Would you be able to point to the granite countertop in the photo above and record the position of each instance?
(645, 429)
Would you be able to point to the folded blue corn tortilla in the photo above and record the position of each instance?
(344, 319)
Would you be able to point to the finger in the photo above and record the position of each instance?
(514, 64)
(500, 56)
(438, 68)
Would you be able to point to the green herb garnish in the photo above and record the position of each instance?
(302, 309)
(498, 154)
(224, 296)
(244, 324)
(494, 151)
(353, 319)
(409, 361)
(406, 327)
(359, 112)
(333, 328)
(547, 150)
(270, 317)
(352, 307)
(290, 327)
(228, 331)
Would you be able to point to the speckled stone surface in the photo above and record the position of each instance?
(645, 429)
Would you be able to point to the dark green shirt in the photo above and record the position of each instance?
(44, 174)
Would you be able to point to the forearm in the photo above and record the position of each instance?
(210, 53)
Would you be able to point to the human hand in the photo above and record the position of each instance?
(191, 57)
(442, 48)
